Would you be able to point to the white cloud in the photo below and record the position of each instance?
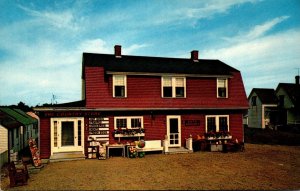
(257, 31)
(199, 10)
(263, 60)
(94, 46)
(46, 67)
(260, 30)
(131, 49)
(62, 20)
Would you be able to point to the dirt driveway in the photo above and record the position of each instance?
(259, 167)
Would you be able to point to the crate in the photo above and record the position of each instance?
(216, 147)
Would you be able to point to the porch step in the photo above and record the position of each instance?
(178, 150)
(67, 156)
(33, 170)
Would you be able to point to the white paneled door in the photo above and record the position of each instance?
(67, 134)
(174, 130)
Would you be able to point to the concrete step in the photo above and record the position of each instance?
(178, 150)
(34, 169)
(67, 156)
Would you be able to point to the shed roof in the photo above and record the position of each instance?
(19, 115)
(7, 121)
(266, 96)
(145, 64)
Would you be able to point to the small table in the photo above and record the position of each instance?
(119, 146)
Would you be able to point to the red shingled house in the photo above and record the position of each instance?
(129, 97)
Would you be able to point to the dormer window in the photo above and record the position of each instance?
(119, 86)
(222, 88)
(173, 87)
(253, 100)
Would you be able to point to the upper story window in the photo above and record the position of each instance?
(253, 100)
(173, 87)
(222, 88)
(119, 86)
(217, 123)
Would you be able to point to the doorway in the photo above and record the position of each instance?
(67, 135)
(174, 130)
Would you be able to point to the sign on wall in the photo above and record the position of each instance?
(98, 128)
(192, 122)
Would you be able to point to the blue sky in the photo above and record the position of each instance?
(41, 42)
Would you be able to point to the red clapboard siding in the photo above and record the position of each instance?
(236, 127)
(186, 131)
(86, 135)
(44, 138)
(145, 92)
(156, 127)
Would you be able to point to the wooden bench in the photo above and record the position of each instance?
(151, 145)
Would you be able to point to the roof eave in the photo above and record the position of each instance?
(135, 109)
(171, 74)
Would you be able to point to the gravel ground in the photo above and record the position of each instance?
(259, 167)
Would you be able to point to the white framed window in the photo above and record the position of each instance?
(222, 87)
(119, 86)
(173, 87)
(135, 122)
(217, 123)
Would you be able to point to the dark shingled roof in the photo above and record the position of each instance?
(80, 103)
(144, 64)
(266, 96)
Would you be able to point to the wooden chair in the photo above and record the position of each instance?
(16, 175)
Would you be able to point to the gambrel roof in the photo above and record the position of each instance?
(156, 65)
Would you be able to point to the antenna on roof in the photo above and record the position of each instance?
(53, 99)
(298, 70)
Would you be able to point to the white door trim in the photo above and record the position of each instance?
(174, 139)
(56, 129)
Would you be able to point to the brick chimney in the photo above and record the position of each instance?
(194, 55)
(118, 49)
(297, 80)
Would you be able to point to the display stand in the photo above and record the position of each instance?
(92, 150)
(102, 151)
(35, 153)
